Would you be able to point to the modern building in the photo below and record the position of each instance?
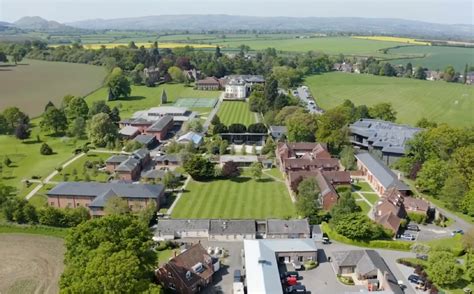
(153, 114)
(262, 258)
(94, 196)
(368, 268)
(191, 137)
(189, 272)
(379, 176)
(387, 137)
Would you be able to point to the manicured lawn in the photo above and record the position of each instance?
(364, 206)
(362, 186)
(165, 255)
(452, 243)
(240, 198)
(231, 112)
(412, 99)
(32, 83)
(276, 173)
(144, 97)
(372, 197)
(77, 170)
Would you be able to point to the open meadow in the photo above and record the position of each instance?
(238, 198)
(232, 112)
(30, 263)
(412, 99)
(32, 83)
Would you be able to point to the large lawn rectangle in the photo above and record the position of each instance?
(231, 112)
(240, 198)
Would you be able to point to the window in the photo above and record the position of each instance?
(51, 203)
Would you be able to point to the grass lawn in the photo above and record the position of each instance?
(449, 243)
(412, 99)
(165, 255)
(81, 170)
(144, 97)
(32, 83)
(362, 186)
(275, 172)
(231, 112)
(239, 198)
(364, 206)
(372, 197)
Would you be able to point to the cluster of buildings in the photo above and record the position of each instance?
(235, 230)
(312, 160)
(236, 87)
(396, 200)
(434, 75)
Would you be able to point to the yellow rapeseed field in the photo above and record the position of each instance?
(146, 45)
(393, 39)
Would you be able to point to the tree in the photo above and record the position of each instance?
(171, 181)
(14, 117)
(17, 56)
(306, 202)
(301, 127)
(464, 76)
(7, 161)
(270, 92)
(76, 107)
(218, 53)
(164, 97)
(432, 176)
(195, 125)
(256, 170)
(48, 105)
(3, 57)
(78, 128)
(237, 128)
(357, 226)
(116, 205)
(286, 77)
(383, 111)
(449, 74)
(230, 169)
(176, 74)
(99, 107)
(22, 131)
(420, 73)
(45, 149)
(101, 130)
(257, 128)
(442, 268)
(332, 128)
(425, 123)
(454, 188)
(199, 168)
(4, 127)
(408, 70)
(54, 120)
(219, 129)
(347, 157)
(109, 254)
(118, 85)
(345, 205)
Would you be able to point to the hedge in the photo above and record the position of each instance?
(33, 229)
(383, 244)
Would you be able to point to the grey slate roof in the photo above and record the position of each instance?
(144, 139)
(160, 124)
(169, 226)
(128, 131)
(278, 129)
(387, 136)
(117, 158)
(316, 229)
(92, 189)
(101, 200)
(383, 173)
(231, 227)
(295, 226)
(128, 165)
(169, 157)
(141, 153)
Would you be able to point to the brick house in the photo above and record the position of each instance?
(114, 161)
(129, 170)
(95, 195)
(160, 128)
(208, 84)
(189, 272)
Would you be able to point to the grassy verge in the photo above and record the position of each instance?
(380, 244)
(36, 230)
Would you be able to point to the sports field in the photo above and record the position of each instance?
(231, 112)
(240, 198)
(31, 84)
(435, 57)
(144, 97)
(412, 99)
(30, 263)
(196, 102)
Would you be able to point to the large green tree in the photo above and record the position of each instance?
(432, 176)
(301, 127)
(101, 130)
(14, 117)
(442, 268)
(307, 198)
(54, 119)
(199, 168)
(118, 84)
(111, 254)
(76, 107)
(383, 111)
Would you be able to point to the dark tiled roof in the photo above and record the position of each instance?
(101, 200)
(231, 227)
(117, 158)
(294, 226)
(128, 165)
(141, 153)
(169, 157)
(144, 139)
(160, 124)
(169, 226)
(92, 189)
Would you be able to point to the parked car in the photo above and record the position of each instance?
(458, 231)
(408, 237)
(237, 276)
(291, 281)
(422, 256)
(413, 228)
(414, 279)
(296, 289)
(297, 265)
(326, 240)
(292, 274)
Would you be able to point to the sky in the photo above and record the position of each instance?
(438, 11)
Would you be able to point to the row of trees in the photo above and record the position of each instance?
(441, 160)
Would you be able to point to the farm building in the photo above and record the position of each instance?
(169, 229)
(231, 230)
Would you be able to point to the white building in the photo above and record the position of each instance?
(179, 114)
(236, 89)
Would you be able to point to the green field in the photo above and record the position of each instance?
(144, 97)
(412, 99)
(240, 198)
(372, 197)
(231, 112)
(436, 57)
(31, 84)
(81, 171)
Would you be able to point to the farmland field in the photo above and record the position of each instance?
(31, 84)
(231, 112)
(30, 263)
(393, 39)
(412, 99)
(170, 45)
(240, 198)
(435, 57)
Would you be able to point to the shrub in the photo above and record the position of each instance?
(417, 217)
(309, 265)
(45, 149)
(345, 280)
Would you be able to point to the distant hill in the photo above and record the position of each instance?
(199, 23)
(37, 23)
